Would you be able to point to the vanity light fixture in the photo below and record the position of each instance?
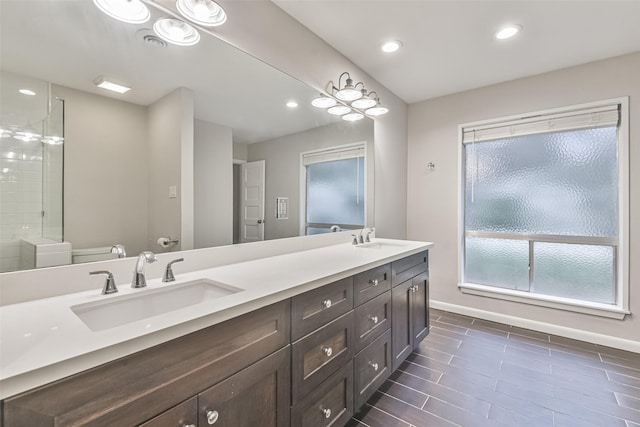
(114, 87)
(292, 104)
(176, 32)
(130, 11)
(391, 46)
(26, 136)
(353, 117)
(339, 110)
(351, 101)
(27, 92)
(204, 12)
(349, 92)
(53, 140)
(323, 101)
(4, 133)
(508, 31)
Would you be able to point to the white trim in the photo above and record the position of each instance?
(547, 328)
(622, 268)
(578, 306)
(239, 161)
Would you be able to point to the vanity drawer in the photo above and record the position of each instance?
(331, 404)
(371, 283)
(320, 354)
(372, 366)
(315, 308)
(371, 320)
(406, 268)
(185, 414)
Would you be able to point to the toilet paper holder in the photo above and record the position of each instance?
(167, 242)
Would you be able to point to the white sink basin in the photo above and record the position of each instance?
(379, 245)
(101, 315)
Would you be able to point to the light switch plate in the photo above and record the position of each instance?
(173, 192)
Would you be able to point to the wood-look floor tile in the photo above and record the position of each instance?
(564, 420)
(464, 322)
(540, 336)
(444, 341)
(630, 424)
(624, 379)
(500, 415)
(407, 413)
(420, 371)
(456, 414)
(602, 405)
(454, 397)
(479, 323)
(427, 362)
(373, 417)
(579, 369)
(449, 327)
(620, 354)
(438, 356)
(628, 401)
(406, 394)
(526, 359)
(522, 406)
(480, 365)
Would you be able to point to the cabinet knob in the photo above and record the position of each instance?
(374, 366)
(374, 319)
(374, 282)
(414, 288)
(327, 303)
(326, 412)
(328, 351)
(212, 417)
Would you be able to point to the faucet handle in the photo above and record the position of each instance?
(355, 239)
(168, 272)
(109, 284)
(368, 239)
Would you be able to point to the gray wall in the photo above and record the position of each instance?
(106, 168)
(432, 202)
(170, 164)
(268, 33)
(213, 189)
(282, 168)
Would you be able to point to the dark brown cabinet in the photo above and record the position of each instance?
(410, 316)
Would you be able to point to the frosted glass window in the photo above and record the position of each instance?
(562, 183)
(541, 213)
(497, 262)
(335, 192)
(583, 272)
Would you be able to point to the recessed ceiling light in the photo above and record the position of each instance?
(114, 87)
(176, 32)
(339, 110)
(391, 46)
(508, 32)
(203, 12)
(130, 11)
(323, 102)
(27, 92)
(292, 104)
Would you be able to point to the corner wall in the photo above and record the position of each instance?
(432, 196)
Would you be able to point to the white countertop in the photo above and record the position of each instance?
(43, 340)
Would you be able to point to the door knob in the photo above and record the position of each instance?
(261, 221)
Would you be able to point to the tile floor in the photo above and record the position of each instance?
(470, 372)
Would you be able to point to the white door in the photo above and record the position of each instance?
(252, 201)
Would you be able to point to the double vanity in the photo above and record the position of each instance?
(300, 339)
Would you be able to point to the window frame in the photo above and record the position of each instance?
(621, 307)
(303, 184)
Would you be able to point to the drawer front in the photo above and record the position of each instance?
(406, 268)
(371, 320)
(255, 396)
(315, 308)
(183, 415)
(320, 354)
(371, 283)
(331, 404)
(371, 368)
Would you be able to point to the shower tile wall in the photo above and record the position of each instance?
(20, 198)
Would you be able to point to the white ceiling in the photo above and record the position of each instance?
(449, 45)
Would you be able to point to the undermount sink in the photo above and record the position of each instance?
(118, 311)
(379, 245)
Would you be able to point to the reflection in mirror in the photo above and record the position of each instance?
(152, 168)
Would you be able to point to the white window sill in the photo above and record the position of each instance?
(592, 308)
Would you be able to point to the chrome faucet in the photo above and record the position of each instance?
(168, 272)
(368, 238)
(139, 280)
(109, 284)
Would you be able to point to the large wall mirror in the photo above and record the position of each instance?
(179, 159)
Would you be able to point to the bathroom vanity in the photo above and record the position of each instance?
(305, 342)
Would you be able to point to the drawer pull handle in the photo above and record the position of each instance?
(327, 413)
(414, 288)
(374, 319)
(327, 303)
(328, 351)
(374, 282)
(374, 366)
(212, 417)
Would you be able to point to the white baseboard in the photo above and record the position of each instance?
(547, 328)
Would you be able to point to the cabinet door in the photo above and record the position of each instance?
(182, 415)
(401, 334)
(420, 308)
(255, 396)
